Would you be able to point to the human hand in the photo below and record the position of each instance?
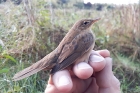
(96, 76)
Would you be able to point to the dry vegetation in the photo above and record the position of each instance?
(31, 30)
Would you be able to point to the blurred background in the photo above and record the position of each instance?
(30, 29)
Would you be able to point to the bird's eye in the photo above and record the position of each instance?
(85, 22)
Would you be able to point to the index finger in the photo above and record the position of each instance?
(105, 53)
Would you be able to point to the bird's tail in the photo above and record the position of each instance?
(44, 63)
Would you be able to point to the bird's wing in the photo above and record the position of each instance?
(72, 51)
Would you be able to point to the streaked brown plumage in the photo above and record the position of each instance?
(75, 47)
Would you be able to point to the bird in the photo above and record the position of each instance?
(75, 47)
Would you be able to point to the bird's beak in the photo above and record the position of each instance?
(95, 20)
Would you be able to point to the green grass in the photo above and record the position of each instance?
(33, 84)
(128, 72)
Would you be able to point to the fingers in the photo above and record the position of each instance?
(59, 82)
(83, 70)
(62, 80)
(51, 89)
(105, 75)
(105, 53)
(97, 61)
(105, 79)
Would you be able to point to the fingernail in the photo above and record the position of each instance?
(96, 58)
(63, 80)
(83, 65)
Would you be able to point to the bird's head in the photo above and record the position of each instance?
(84, 23)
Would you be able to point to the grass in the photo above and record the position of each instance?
(127, 71)
(30, 32)
(34, 84)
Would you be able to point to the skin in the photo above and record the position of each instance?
(96, 76)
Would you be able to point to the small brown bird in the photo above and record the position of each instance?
(75, 47)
